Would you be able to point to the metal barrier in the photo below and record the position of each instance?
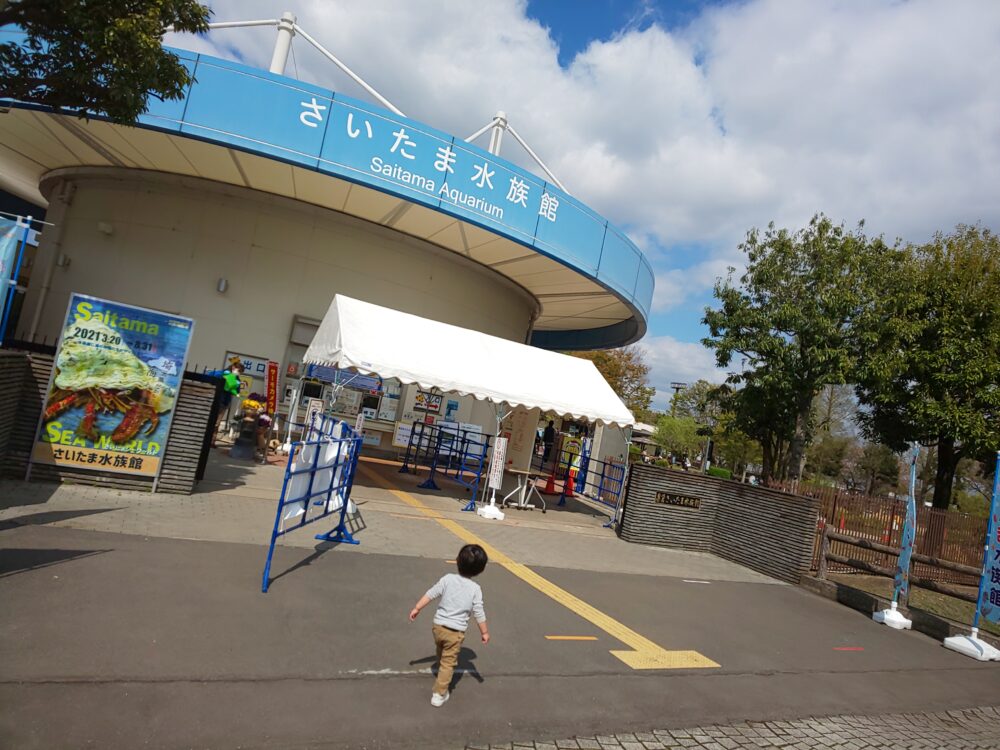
(600, 481)
(461, 452)
(319, 475)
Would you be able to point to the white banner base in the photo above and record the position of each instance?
(893, 618)
(490, 511)
(970, 645)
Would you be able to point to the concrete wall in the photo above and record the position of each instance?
(163, 242)
(765, 530)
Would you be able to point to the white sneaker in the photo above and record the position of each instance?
(439, 700)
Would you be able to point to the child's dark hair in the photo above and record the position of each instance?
(471, 560)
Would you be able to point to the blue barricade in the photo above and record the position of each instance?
(318, 481)
(600, 481)
(460, 452)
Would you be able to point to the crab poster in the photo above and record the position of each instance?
(111, 397)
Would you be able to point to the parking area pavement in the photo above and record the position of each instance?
(118, 637)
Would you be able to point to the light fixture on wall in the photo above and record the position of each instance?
(105, 228)
(62, 260)
(222, 286)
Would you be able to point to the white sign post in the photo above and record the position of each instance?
(293, 413)
(495, 480)
(314, 408)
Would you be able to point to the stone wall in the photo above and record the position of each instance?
(13, 366)
(765, 530)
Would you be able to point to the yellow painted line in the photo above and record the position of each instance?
(644, 654)
(414, 517)
(571, 637)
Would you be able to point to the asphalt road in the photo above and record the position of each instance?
(117, 641)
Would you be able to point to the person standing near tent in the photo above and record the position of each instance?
(548, 438)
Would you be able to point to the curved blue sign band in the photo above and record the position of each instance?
(313, 127)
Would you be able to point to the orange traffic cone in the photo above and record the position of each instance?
(550, 483)
(568, 483)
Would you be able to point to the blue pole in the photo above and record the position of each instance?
(902, 581)
(9, 303)
(277, 522)
(406, 458)
(994, 505)
(429, 483)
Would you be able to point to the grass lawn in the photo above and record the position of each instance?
(929, 601)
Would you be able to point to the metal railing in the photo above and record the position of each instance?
(458, 454)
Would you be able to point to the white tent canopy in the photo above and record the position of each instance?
(392, 344)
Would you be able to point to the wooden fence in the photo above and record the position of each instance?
(854, 561)
(940, 534)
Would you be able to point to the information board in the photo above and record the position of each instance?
(114, 384)
(497, 464)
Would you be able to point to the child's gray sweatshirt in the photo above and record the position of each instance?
(459, 596)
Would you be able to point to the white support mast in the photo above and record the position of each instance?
(498, 125)
(288, 28)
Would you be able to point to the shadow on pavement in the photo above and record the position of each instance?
(222, 470)
(466, 665)
(14, 561)
(51, 516)
(355, 524)
(15, 493)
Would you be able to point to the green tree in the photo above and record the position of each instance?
(873, 469)
(833, 418)
(929, 352)
(789, 318)
(973, 487)
(826, 455)
(733, 447)
(627, 373)
(679, 435)
(700, 401)
(880, 465)
(96, 58)
(834, 410)
(762, 410)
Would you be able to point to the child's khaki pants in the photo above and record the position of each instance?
(449, 643)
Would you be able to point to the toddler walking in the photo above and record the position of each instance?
(460, 595)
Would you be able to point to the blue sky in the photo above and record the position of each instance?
(688, 123)
(574, 25)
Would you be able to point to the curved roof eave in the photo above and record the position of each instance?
(593, 284)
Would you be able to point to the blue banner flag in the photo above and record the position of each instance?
(902, 580)
(989, 585)
(12, 237)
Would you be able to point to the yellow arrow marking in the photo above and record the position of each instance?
(644, 654)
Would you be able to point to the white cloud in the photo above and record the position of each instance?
(676, 286)
(760, 110)
(673, 361)
(768, 109)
